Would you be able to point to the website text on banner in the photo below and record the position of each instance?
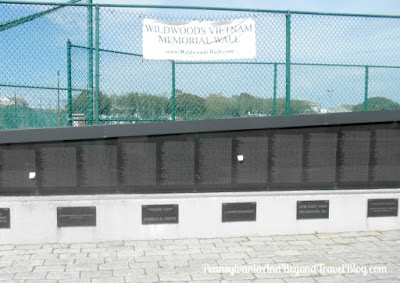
(199, 40)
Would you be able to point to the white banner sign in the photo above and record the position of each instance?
(199, 40)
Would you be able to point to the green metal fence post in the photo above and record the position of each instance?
(97, 82)
(366, 88)
(69, 82)
(288, 63)
(274, 101)
(90, 63)
(173, 92)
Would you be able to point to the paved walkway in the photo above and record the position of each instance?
(356, 256)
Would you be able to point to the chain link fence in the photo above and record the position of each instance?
(74, 64)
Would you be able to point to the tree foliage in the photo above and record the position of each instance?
(248, 105)
(141, 105)
(219, 106)
(189, 106)
(377, 104)
(81, 104)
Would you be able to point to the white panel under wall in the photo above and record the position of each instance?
(34, 219)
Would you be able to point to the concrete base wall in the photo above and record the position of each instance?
(34, 219)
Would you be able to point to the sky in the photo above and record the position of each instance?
(386, 7)
(36, 51)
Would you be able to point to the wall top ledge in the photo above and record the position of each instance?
(201, 126)
(180, 196)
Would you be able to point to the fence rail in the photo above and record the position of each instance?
(73, 64)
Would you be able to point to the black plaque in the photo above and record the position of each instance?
(354, 158)
(215, 160)
(287, 159)
(5, 218)
(239, 212)
(383, 207)
(177, 163)
(58, 167)
(76, 216)
(387, 153)
(138, 164)
(313, 209)
(254, 168)
(99, 165)
(160, 214)
(15, 167)
(321, 158)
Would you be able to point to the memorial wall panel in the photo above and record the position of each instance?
(99, 165)
(254, 168)
(138, 164)
(16, 164)
(354, 157)
(215, 160)
(178, 163)
(58, 167)
(321, 158)
(287, 156)
(386, 166)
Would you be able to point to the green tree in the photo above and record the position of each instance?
(248, 105)
(189, 106)
(377, 104)
(81, 105)
(153, 107)
(135, 105)
(296, 107)
(127, 105)
(300, 107)
(219, 106)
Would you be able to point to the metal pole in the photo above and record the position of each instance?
(58, 98)
(15, 111)
(97, 82)
(69, 83)
(90, 63)
(274, 101)
(366, 89)
(173, 92)
(58, 91)
(288, 63)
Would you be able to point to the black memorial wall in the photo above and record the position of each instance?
(342, 156)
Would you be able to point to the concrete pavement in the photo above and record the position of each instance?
(354, 256)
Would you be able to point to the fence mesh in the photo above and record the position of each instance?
(336, 63)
